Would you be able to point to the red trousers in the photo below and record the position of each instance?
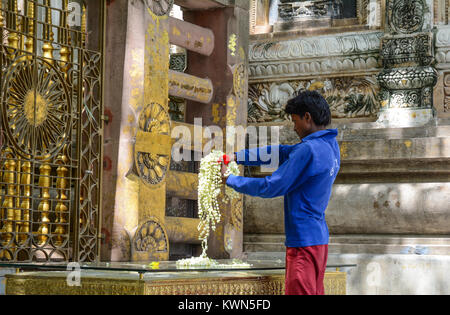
(305, 270)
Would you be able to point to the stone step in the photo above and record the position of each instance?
(339, 248)
(270, 238)
(393, 133)
(264, 247)
(391, 239)
(371, 131)
(273, 256)
(359, 238)
(369, 244)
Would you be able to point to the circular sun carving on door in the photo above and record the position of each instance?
(35, 108)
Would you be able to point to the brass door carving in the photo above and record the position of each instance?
(51, 132)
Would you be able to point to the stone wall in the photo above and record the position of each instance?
(393, 181)
(391, 195)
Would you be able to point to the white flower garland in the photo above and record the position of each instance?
(209, 188)
(195, 262)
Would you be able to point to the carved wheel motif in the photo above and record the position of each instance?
(407, 16)
(152, 167)
(159, 7)
(151, 237)
(154, 118)
(36, 108)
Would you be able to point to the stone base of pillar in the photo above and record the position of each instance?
(405, 117)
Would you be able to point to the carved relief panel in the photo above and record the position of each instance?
(348, 97)
(286, 15)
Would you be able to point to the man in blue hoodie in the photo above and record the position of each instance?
(305, 177)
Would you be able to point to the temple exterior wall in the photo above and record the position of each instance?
(391, 196)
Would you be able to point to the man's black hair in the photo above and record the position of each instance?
(310, 102)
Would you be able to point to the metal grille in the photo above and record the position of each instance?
(51, 132)
(178, 207)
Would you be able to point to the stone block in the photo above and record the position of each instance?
(263, 215)
(378, 208)
(387, 274)
(390, 208)
(395, 274)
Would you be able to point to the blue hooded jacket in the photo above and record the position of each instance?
(305, 178)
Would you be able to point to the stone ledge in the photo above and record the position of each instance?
(375, 155)
(369, 131)
(367, 244)
(349, 130)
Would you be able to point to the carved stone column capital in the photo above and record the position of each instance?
(408, 77)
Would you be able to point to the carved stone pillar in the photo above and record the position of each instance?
(226, 68)
(409, 76)
(137, 136)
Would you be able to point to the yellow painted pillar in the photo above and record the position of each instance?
(153, 145)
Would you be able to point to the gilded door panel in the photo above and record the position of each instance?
(51, 111)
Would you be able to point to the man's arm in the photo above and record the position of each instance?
(287, 177)
(263, 156)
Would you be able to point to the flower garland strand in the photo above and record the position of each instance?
(209, 188)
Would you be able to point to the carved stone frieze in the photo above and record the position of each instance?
(319, 46)
(408, 78)
(322, 55)
(447, 93)
(348, 97)
(296, 15)
(441, 10)
(292, 10)
(443, 47)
